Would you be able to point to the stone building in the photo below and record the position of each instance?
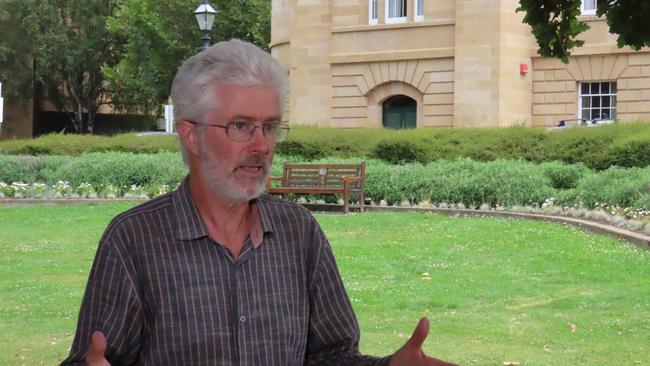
(460, 63)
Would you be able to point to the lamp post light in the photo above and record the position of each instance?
(205, 14)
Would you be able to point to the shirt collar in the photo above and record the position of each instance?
(190, 226)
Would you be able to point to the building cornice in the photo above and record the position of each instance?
(413, 54)
(376, 27)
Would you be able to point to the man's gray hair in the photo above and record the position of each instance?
(232, 62)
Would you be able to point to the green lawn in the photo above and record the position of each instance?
(497, 290)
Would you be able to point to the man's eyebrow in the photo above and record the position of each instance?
(252, 119)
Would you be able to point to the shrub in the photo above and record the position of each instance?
(74, 145)
(634, 152)
(309, 150)
(643, 201)
(623, 144)
(564, 176)
(614, 186)
(121, 170)
(400, 152)
(28, 168)
(453, 182)
(461, 181)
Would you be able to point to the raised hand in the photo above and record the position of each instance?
(411, 353)
(95, 355)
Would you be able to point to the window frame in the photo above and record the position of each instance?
(371, 4)
(584, 11)
(418, 8)
(612, 108)
(395, 20)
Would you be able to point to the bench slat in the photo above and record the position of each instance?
(327, 179)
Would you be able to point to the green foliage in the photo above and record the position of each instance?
(317, 142)
(159, 38)
(631, 152)
(623, 144)
(563, 176)
(471, 183)
(643, 201)
(461, 181)
(628, 19)
(555, 24)
(399, 152)
(15, 65)
(614, 186)
(64, 44)
(121, 170)
(73, 145)
(28, 169)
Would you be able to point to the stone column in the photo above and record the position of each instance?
(490, 44)
(310, 71)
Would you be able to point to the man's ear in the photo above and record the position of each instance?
(187, 133)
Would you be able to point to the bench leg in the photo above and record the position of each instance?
(362, 202)
(346, 201)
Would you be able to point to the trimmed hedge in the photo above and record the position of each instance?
(74, 145)
(622, 144)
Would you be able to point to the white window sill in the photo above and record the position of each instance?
(395, 20)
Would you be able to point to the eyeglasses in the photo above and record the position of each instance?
(242, 131)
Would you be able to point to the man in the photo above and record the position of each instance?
(215, 273)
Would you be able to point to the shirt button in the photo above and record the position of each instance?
(242, 319)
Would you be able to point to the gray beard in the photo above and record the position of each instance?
(228, 186)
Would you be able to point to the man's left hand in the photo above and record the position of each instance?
(411, 353)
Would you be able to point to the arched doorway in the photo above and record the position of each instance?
(399, 112)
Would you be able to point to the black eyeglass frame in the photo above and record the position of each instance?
(280, 127)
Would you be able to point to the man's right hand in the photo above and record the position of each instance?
(95, 356)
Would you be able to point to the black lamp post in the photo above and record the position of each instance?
(205, 14)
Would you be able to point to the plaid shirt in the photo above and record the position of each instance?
(164, 293)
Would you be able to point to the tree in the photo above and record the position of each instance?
(161, 35)
(63, 44)
(555, 25)
(16, 63)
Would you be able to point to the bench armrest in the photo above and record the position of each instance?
(271, 178)
(348, 180)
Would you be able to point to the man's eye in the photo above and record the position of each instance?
(269, 127)
(240, 125)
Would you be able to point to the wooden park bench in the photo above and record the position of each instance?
(321, 179)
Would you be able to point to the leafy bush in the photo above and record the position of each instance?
(614, 186)
(563, 176)
(623, 144)
(634, 152)
(305, 149)
(399, 152)
(461, 181)
(25, 168)
(74, 145)
(122, 169)
(643, 201)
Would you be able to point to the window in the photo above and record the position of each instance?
(372, 12)
(419, 10)
(588, 7)
(597, 100)
(399, 111)
(395, 11)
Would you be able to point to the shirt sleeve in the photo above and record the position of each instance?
(334, 333)
(111, 305)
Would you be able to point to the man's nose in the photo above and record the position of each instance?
(258, 142)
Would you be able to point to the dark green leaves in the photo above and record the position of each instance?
(555, 23)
